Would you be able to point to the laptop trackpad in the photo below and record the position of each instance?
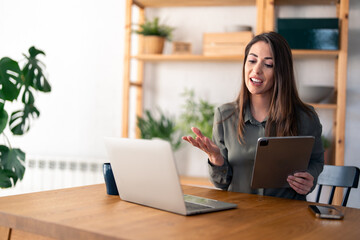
(193, 201)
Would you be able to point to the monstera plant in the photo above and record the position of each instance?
(18, 85)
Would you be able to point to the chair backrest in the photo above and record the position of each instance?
(338, 176)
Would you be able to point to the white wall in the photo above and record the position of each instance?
(83, 41)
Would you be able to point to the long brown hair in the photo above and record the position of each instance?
(285, 98)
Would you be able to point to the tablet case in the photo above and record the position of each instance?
(278, 157)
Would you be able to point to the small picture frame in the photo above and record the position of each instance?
(181, 48)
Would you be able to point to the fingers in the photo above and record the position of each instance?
(197, 132)
(185, 138)
(202, 143)
(191, 140)
(301, 182)
(197, 142)
(207, 145)
(305, 175)
(298, 189)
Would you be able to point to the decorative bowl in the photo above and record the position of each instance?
(314, 94)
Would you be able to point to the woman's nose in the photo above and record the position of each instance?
(257, 68)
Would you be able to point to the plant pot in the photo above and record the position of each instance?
(153, 44)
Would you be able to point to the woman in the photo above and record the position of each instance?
(267, 105)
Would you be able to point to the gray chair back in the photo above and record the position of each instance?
(338, 176)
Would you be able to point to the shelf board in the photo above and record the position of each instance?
(201, 3)
(306, 2)
(314, 53)
(163, 57)
(169, 57)
(193, 3)
(324, 105)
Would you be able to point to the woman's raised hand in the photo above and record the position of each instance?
(206, 145)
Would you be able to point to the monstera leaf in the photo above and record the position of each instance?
(33, 71)
(5, 178)
(28, 97)
(10, 79)
(3, 119)
(20, 120)
(12, 166)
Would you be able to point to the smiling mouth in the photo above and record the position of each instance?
(255, 80)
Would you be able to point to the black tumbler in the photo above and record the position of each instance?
(111, 188)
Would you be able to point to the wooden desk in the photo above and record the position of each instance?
(89, 213)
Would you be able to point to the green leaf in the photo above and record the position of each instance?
(153, 28)
(33, 72)
(20, 120)
(164, 128)
(34, 52)
(3, 150)
(5, 178)
(15, 163)
(198, 114)
(28, 97)
(3, 119)
(12, 166)
(10, 79)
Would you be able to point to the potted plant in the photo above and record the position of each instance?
(326, 144)
(154, 35)
(198, 114)
(18, 84)
(164, 128)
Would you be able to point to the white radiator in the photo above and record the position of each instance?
(43, 173)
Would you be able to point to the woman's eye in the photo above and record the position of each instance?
(252, 61)
(269, 65)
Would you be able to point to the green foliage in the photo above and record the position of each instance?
(164, 128)
(9, 70)
(198, 114)
(326, 142)
(153, 28)
(12, 166)
(18, 84)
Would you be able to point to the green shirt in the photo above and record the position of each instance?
(235, 175)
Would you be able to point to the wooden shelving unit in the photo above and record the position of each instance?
(265, 22)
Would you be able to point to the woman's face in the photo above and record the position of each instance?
(259, 69)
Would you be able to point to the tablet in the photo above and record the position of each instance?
(278, 157)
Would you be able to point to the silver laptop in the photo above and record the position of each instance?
(145, 173)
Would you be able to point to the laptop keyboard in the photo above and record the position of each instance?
(193, 206)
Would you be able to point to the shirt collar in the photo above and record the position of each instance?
(248, 117)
